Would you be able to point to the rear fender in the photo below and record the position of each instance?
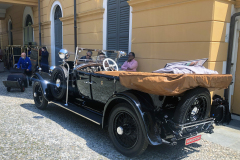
(144, 111)
(44, 79)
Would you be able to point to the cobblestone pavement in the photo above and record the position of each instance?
(29, 133)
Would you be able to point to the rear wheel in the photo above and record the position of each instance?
(194, 106)
(125, 131)
(39, 99)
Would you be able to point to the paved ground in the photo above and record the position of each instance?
(29, 133)
(227, 136)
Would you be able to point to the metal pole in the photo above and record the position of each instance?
(39, 21)
(75, 24)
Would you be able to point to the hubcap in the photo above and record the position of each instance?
(120, 130)
(195, 111)
(58, 82)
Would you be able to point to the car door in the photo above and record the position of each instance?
(84, 84)
(103, 87)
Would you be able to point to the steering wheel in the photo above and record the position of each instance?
(111, 67)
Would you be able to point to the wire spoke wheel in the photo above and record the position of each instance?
(125, 130)
(127, 136)
(197, 111)
(194, 106)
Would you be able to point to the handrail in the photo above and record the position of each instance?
(9, 49)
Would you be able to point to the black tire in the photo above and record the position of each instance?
(25, 83)
(132, 142)
(40, 101)
(59, 73)
(195, 105)
(8, 89)
(22, 89)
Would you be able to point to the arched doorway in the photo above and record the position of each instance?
(10, 35)
(57, 33)
(28, 30)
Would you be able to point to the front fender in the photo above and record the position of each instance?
(144, 111)
(44, 79)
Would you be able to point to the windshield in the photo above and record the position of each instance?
(97, 56)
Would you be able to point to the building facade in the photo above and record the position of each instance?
(158, 31)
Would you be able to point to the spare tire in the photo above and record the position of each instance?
(195, 105)
(59, 82)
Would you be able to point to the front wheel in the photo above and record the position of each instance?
(39, 99)
(125, 131)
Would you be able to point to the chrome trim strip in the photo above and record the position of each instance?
(204, 120)
(76, 113)
(196, 124)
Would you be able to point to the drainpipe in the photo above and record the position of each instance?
(230, 49)
(75, 25)
(39, 21)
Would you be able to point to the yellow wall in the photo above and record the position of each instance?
(173, 30)
(176, 30)
(162, 30)
(89, 23)
(15, 13)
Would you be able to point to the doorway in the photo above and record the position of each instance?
(58, 34)
(28, 30)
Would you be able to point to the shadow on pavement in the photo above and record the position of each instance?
(97, 139)
(235, 124)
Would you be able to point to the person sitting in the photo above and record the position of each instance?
(88, 55)
(101, 56)
(25, 63)
(131, 64)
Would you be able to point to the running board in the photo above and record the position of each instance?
(81, 112)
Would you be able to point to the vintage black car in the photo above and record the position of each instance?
(134, 119)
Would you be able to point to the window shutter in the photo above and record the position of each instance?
(118, 25)
(124, 25)
(112, 25)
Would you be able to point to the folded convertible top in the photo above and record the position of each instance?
(170, 84)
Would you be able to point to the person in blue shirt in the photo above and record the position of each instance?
(25, 63)
(44, 60)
